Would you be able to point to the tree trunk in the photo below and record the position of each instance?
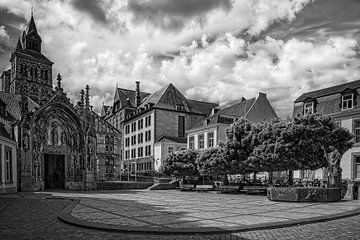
(291, 179)
(270, 178)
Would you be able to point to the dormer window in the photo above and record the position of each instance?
(308, 108)
(347, 101)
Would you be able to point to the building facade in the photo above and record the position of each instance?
(341, 102)
(161, 118)
(211, 131)
(8, 165)
(59, 145)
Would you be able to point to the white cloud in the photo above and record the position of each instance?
(283, 70)
(3, 34)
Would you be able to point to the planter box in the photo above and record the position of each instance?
(123, 185)
(304, 194)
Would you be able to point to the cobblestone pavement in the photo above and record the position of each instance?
(32, 216)
(170, 211)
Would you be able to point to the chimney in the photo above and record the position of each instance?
(137, 94)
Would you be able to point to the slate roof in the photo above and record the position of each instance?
(125, 94)
(13, 111)
(227, 114)
(171, 138)
(203, 107)
(329, 91)
(32, 55)
(169, 97)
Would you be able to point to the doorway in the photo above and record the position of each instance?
(54, 171)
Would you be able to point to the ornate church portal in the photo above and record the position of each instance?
(58, 150)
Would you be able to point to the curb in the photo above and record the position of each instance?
(66, 217)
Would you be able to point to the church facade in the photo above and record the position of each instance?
(59, 145)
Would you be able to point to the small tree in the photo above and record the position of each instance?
(181, 164)
(211, 162)
(239, 145)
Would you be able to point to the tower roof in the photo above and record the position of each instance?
(31, 30)
(18, 46)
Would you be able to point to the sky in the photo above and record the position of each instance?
(211, 50)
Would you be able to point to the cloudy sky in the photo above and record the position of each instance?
(214, 50)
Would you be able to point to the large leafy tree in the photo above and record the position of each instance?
(297, 143)
(181, 164)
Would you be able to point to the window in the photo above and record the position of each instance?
(147, 136)
(211, 139)
(133, 153)
(127, 142)
(133, 140)
(181, 126)
(8, 165)
(133, 127)
(201, 141)
(148, 150)
(357, 130)
(140, 124)
(140, 152)
(357, 166)
(127, 129)
(127, 154)
(140, 137)
(191, 143)
(170, 149)
(147, 121)
(308, 108)
(347, 101)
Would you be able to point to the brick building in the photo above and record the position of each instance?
(159, 121)
(211, 131)
(341, 102)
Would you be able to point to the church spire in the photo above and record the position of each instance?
(32, 39)
(18, 46)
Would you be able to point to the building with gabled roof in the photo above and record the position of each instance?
(158, 125)
(342, 103)
(211, 131)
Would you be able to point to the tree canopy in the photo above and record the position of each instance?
(181, 164)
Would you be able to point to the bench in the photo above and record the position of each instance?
(187, 187)
(204, 188)
(228, 188)
(255, 190)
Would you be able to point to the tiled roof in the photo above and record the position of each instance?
(125, 94)
(329, 91)
(227, 114)
(170, 97)
(203, 107)
(13, 111)
(239, 109)
(174, 139)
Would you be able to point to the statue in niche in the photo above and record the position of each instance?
(26, 141)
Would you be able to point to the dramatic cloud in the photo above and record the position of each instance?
(210, 49)
(232, 68)
(93, 8)
(173, 15)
